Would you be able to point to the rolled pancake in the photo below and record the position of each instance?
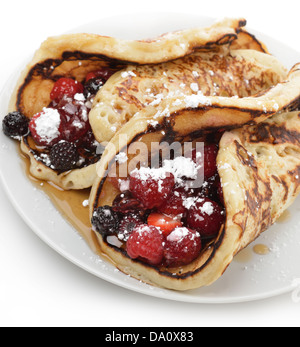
(259, 167)
(76, 55)
(225, 87)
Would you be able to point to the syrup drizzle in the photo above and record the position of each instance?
(70, 205)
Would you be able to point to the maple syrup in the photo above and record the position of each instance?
(285, 217)
(261, 249)
(71, 204)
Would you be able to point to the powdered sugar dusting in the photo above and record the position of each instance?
(178, 234)
(47, 125)
(180, 167)
(193, 101)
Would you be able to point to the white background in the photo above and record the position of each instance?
(40, 288)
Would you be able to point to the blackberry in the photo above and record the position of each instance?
(15, 125)
(92, 86)
(105, 220)
(128, 224)
(64, 156)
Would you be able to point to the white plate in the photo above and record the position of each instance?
(260, 277)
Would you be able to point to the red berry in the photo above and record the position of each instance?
(220, 193)
(104, 74)
(208, 189)
(127, 225)
(151, 187)
(210, 155)
(206, 216)
(46, 127)
(74, 115)
(182, 246)
(146, 242)
(174, 205)
(126, 203)
(164, 223)
(209, 160)
(65, 87)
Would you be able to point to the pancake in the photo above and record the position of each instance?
(76, 55)
(259, 168)
(223, 85)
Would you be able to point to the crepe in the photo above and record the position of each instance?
(199, 79)
(259, 167)
(76, 55)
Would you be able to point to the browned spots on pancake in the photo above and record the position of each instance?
(245, 157)
(129, 98)
(295, 177)
(259, 194)
(273, 134)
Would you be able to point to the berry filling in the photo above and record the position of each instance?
(146, 242)
(182, 246)
(152, 190)
(63, 125)
(65, 87)
(162, 219)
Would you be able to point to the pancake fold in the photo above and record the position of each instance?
(259, 167)
(76, 55)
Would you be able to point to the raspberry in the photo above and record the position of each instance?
(174, 205)
(64, 156)
(164, 223)
(209, 160)
(208, 189)
(46, 127)
(74, 115)
(15, 124)
(210, 155)
(146, 242)
(220, 193)
(65, 87)
(152, 191)
(206, 216)
(182, 246)
(88, 142)
(127, 225)
(105, 220)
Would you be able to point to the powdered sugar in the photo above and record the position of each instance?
(126, 74)
(178, 234)
(122, 158)
(207, 208)
(47, 125)
(180, 167)
(193, 101)
(194, 87)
